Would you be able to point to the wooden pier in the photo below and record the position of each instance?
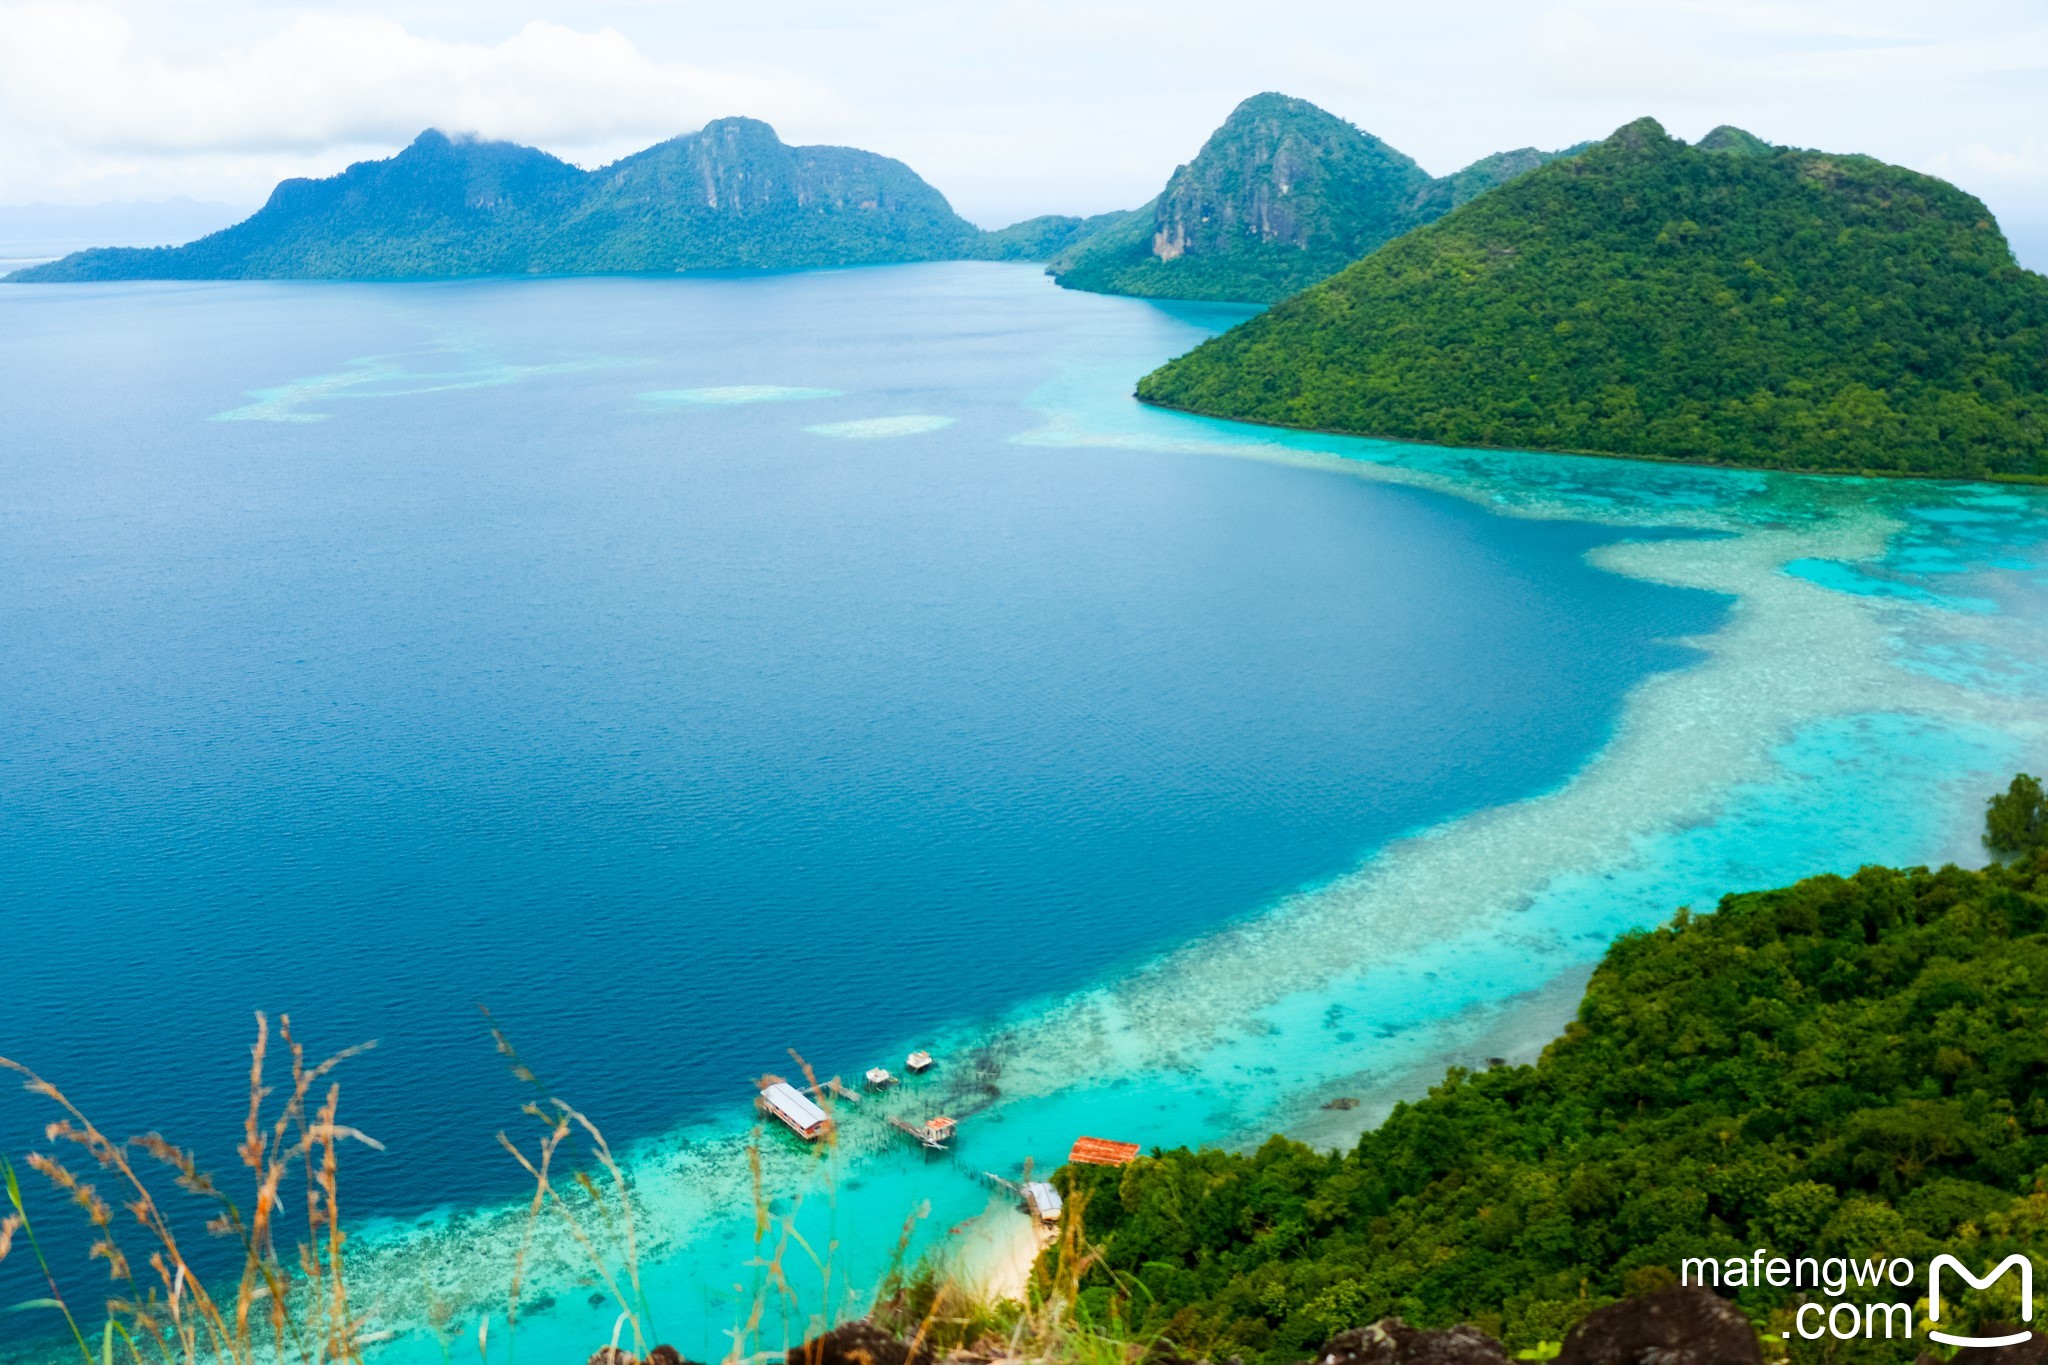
(835, 1088)
(932, 1134)
(1039, 1198)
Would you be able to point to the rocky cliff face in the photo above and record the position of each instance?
(738, 167)
(1282, 195)
(1281, 172)
(734, 194)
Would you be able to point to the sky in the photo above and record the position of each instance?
(1010, 107)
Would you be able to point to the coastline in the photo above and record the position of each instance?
(1833, 718)
(1471, 939)
(1818, 471)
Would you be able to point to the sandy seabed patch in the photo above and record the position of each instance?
(728, 395)
(874, 428)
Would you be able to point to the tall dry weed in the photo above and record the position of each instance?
(168, 1315)
(288, 1302)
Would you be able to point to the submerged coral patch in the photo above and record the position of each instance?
(728, 395)
(1847, 712)
(873, 428)
(384, 376)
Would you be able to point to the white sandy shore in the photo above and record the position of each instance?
(992, 1254)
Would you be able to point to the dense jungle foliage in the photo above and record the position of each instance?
(2016, 820)
(1730, 302)
(1849, 1067)
(1040, 238)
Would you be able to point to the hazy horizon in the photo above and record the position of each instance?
(1012, 108)
(44, 230)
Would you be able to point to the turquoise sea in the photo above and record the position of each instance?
(688, 670)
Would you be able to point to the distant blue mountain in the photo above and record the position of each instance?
(732, 195)
(1282, 195)
(40, 231)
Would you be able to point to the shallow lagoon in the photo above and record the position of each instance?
(468, 658)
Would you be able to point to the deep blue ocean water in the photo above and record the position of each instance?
(370, 653)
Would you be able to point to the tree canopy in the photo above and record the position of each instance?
(1847, 1067)
(1730, 302)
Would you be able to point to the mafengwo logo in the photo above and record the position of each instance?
(2016, 1261)
(1848, 1319)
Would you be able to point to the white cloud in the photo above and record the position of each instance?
(2028, 161)
(1010, 107)
(75, 80)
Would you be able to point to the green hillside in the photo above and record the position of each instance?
(1848, 1067)
(1278, 197)
(1038, 239)
(1282, 195)
(1731, 302)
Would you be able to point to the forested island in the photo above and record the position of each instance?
(1730, 302)
(1847, 1067)
(730, 196)
(1282, 195)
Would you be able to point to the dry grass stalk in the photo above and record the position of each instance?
(559, 1119)
(302, 1312)
(175, 1319)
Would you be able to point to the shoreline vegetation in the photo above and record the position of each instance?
(1729, 303)
(1845, 1067)
(1695, 461)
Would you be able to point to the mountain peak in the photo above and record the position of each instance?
(1642, 135)
(1282, 194)
(740, 130)
(731, 195)
(1732, 141)
(1776, 333)
(436, 142)
(1270, 104)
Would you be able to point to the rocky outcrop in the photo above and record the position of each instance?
(2033, 1352)
(1391, 1341)
(1676, 1326)
(858, 1343)
(1281, 195)
(618, 1355)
